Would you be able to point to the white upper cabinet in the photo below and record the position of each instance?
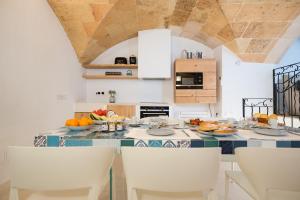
(154, 51)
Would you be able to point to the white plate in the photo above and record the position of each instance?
(179, 127)
(223, 134)
(271, 132)
(160, 132)
(78, 128)
(211, 133)
(134, 125)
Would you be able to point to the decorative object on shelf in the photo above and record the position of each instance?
(120, 60)
(112, 96)
(187, 54)
(198, 54)
(190, 55)
(129, 72)
(113, 73)
(132, 59)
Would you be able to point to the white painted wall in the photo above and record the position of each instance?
(40, 76)
(134, 91)
(242, 80)
(218, 56)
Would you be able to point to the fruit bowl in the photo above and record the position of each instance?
(78, 128)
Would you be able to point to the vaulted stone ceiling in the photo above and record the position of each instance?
(250, 28)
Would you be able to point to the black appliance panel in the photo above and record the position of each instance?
(153, 111)
(189, 80)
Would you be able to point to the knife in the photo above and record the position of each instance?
(185, 133)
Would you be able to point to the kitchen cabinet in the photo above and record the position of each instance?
(120, 109)
(208, 91)
(123, 110)
(154, 51)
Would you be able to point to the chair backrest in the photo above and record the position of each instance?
(171, 169)
(61, 168)
(271, 168)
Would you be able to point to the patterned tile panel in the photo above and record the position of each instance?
(78, 142)
(283, 144)
(295, 144)
(127, 143)
(169, 144)
(40, 141)
(197, 143)
(53, 141)
(155, 143)
(227, 147)
(183, 143)
(227, 144)
(140, 143)
(254, 143)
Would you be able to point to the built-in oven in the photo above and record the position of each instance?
(154, 111)
(189, 80)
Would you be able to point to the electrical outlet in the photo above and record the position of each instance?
(100, 93)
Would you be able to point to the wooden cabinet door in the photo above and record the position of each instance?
(122, 110)
(206, 93)
(195, 65)
(185, 96)
(210, 81)
(185, 93)
(186, 99)
(206, 99)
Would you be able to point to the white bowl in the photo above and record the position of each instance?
(78, 128)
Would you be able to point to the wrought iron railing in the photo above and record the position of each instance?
(286, 87)
(257, 105)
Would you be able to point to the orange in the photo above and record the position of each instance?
(90, 122)
(83, 122)
(74, 122)
(68, 122)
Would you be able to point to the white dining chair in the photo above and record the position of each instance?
(44, 170)
(267, 173)
(171, 172)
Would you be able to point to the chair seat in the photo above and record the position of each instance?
(240, 179)
(81, 194)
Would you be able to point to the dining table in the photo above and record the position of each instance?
(182, 138)
(139, 137)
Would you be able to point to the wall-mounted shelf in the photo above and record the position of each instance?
(102, 76)
(110, 66)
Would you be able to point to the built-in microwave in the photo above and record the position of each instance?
(189, 80)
